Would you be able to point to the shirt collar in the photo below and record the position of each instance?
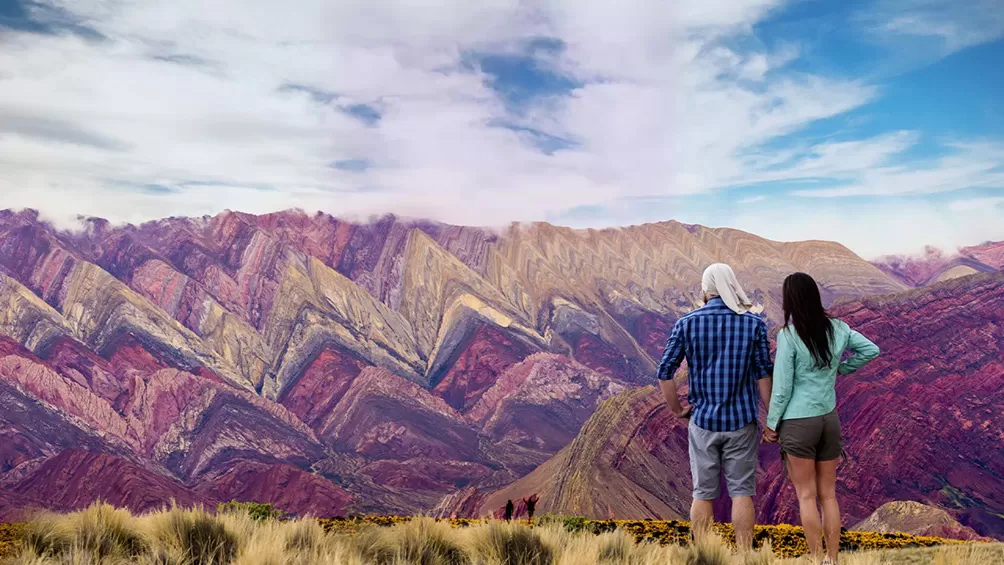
(716, 303)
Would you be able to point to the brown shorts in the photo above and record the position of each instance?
(816, 438)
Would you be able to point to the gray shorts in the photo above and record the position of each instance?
(734, 452)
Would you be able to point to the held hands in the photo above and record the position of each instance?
(684, 412)
(769, 436)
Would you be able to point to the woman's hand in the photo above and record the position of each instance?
(769, 435)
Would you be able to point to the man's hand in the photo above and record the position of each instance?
(669, 393)
(770, 436)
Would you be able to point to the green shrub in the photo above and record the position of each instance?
(575, 524)
(256, 510)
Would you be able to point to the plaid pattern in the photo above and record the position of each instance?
(726, 353)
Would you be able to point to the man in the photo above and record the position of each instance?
(728, 359)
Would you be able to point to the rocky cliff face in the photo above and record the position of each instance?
(378, 367)
(922, 422)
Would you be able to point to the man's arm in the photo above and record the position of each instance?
(763, 365)
(673, 400)
(766, 388)
(672, 358)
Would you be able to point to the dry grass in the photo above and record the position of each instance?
(982, 554)
(785, 540)
(103, 535)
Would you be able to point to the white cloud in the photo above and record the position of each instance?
(240, 105)
(954, 25)
(971, 165)
(988, 204)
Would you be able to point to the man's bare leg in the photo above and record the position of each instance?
(702, 513)
(742, 522)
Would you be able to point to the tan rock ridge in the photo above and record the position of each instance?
(917, 519)
(628, 461)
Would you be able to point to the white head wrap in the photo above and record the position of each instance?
(719, 280)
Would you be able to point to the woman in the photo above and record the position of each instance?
(802, 414)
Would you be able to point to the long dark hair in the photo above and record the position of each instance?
(803, 308)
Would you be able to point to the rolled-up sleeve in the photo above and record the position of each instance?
(864, 352)
(762, 365)
(672, 356)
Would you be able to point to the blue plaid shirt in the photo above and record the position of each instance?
(726, 353)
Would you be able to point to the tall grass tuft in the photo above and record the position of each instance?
(48, 535)
(422, 541)
(763, 556)
(427, 542)
(511, 544)
(304, 536)
(193, 537)
(709, 549)
(96, 533)
(372, 546)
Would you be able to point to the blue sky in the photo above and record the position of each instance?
(876, 124)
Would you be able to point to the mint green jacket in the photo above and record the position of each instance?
(801, 388)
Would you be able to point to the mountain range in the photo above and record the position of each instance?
(398, 366)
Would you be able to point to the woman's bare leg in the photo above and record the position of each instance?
(803, 474)
(826, 487)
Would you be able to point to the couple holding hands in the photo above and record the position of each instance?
(729, 366)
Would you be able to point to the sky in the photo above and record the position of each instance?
(878, 124)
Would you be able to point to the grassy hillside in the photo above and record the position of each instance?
(103, 535)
